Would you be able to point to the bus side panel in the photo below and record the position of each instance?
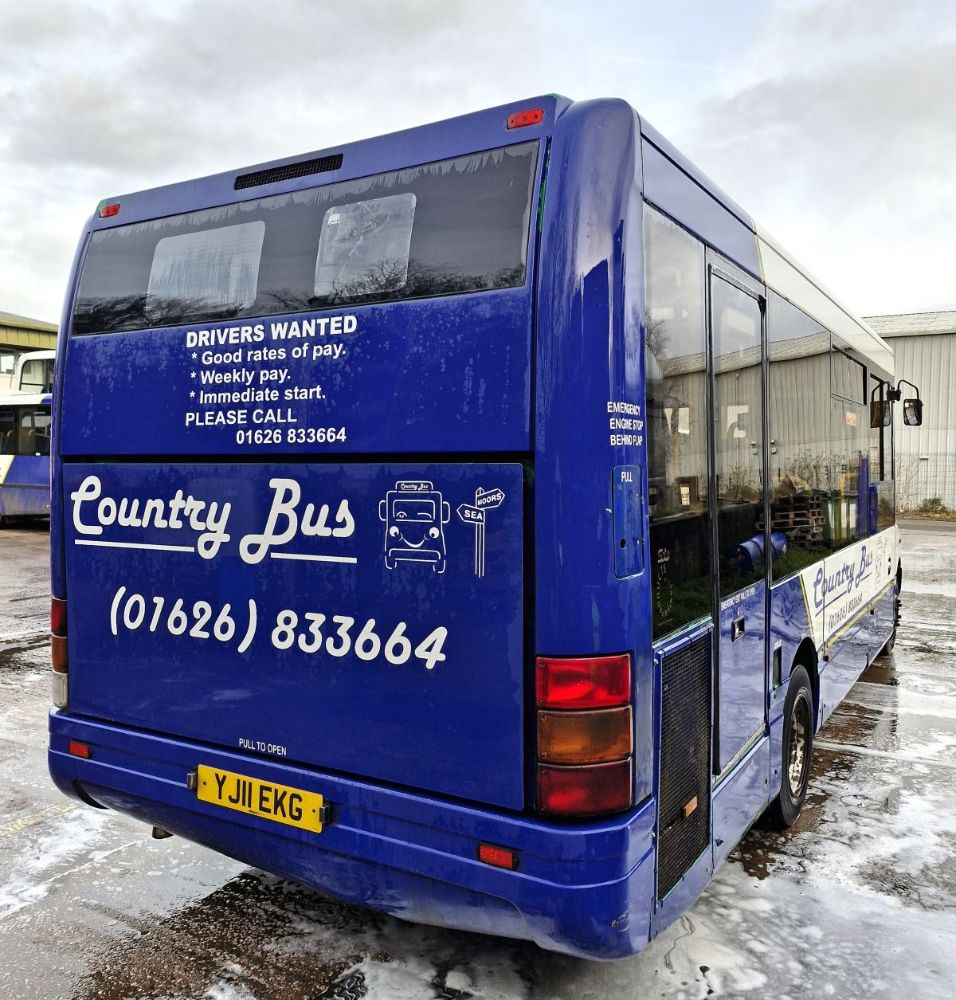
(24, 486)
(57, 551)
(850, 582)
(589, 402)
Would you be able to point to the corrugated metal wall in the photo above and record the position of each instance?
(926, 456)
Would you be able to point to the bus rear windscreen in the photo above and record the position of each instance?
(452, 226)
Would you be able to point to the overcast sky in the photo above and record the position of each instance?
(832, 121)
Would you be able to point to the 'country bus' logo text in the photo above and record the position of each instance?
(287, 518)
(843, 580)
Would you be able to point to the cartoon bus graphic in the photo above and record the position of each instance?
(414, 514)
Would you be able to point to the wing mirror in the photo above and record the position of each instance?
(881, 414)
(912, 407)
(913, 412)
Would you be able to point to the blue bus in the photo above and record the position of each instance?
(25, 420)
(475, 523)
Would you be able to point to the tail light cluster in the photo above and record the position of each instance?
(585, 747)
(58, 651)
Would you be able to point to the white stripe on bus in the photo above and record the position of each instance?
(311, 558)
(135, 545)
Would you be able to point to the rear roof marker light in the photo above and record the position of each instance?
(106, 210)
(521, 119)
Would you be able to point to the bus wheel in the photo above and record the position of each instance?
(797, 750)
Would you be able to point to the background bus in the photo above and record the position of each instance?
(29, 371)
(24, 456)
(552, 323)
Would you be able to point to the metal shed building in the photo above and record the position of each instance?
(19, 334)
(925, 347)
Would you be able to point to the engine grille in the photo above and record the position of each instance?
(685, 761)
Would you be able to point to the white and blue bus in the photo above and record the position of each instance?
(24, 456)
(476, 522)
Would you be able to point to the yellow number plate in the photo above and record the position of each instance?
(280, 803)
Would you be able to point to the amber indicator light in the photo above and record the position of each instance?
(585, 737)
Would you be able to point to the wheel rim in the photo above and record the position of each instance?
(798, 757)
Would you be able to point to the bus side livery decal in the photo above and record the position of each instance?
(843, 585)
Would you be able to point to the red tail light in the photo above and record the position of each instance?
(78, 749)
(58, 650)
(57, 616)
(584, 791)
(583, 682)
(585, 734)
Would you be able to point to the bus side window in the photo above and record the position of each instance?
(34, 432)
(848, 506)
(675, 356)
(8, 431)
(799, 451)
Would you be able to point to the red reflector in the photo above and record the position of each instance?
(584, 791)
(520, 119)
(500, 857)
(108, 211)
(78, 749)
(583, 682)
(57, 616)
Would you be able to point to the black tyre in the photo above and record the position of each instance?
(797, 750)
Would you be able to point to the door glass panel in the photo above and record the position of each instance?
(675, 359)
(738, 416)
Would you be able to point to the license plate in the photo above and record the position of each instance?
(264, 799)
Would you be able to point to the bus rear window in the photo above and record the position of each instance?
(453, 226)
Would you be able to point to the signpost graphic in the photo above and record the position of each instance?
(485, 500)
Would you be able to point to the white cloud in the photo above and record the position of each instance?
(838, 134)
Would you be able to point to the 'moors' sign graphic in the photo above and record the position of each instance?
(488, 500)
(485, 500)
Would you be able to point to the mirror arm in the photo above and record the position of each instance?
(896, 393)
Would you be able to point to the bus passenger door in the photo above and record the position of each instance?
(736, 341)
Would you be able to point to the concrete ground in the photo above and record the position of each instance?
(858, 900)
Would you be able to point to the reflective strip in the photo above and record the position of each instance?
(5, 462)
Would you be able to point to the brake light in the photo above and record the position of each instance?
(584, 791)
(107, 210)
(57, 616)
(583, 682)
(59, 657)
(585, 734)
(521, 119)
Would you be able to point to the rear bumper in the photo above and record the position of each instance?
(585, 890)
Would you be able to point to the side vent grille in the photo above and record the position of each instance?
(288, 172)
(684, 807)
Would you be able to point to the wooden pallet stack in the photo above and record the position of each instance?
(800, 517)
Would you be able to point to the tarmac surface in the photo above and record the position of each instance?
(858, 900)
